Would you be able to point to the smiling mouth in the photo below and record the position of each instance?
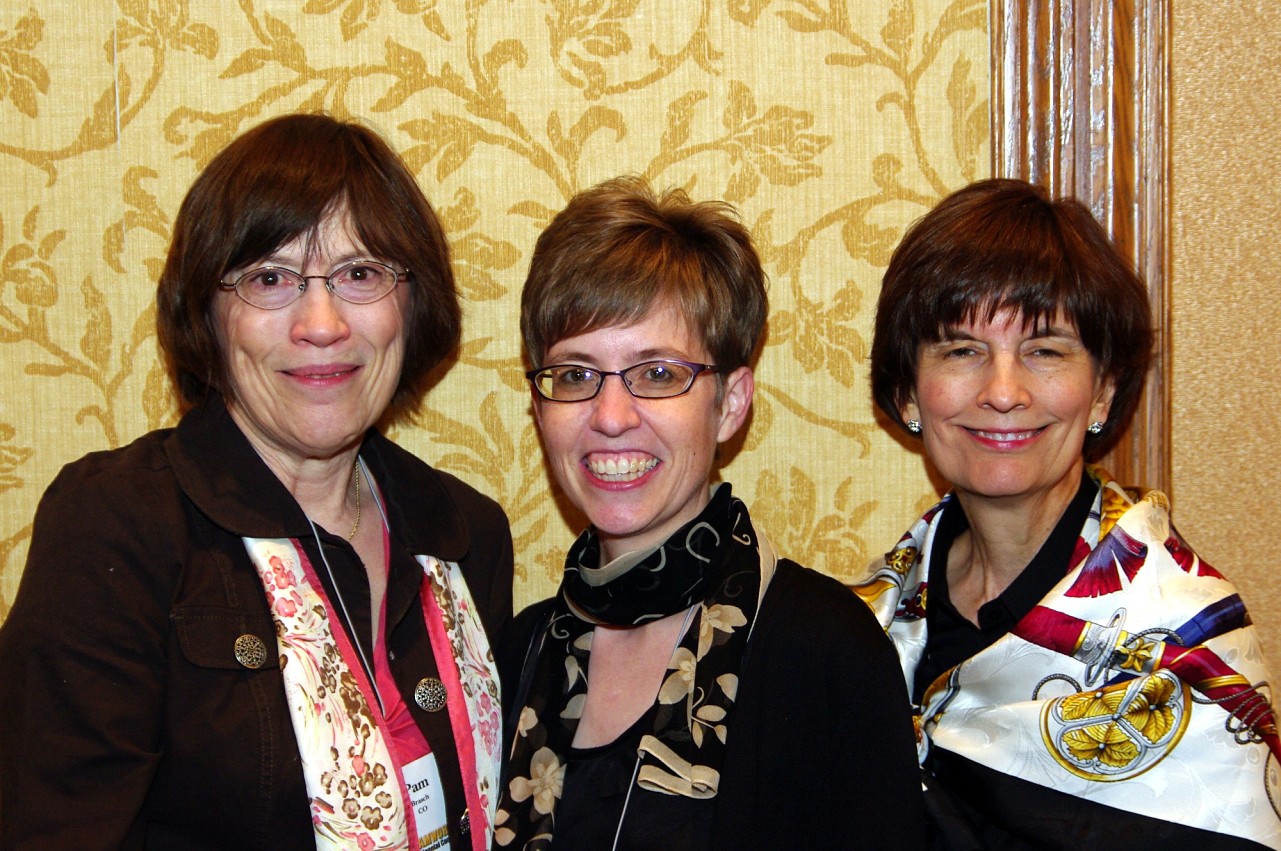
(314, 376)
(620, 469)
(1007, 436)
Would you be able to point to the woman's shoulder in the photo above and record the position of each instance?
(820, 624)
(106, 536)
(815, 601)
(108, 478)
(409, 471)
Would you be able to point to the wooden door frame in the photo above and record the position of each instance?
(1080, 105)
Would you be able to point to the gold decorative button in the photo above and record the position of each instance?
(251, 652)
(430, 694)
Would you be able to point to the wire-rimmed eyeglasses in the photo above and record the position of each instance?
(274, 287)
(653, 379)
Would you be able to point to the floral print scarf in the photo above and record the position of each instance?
(716, 562)
(355, 786)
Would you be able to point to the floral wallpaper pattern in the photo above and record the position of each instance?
(829, 124)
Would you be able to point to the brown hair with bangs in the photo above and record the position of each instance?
(1000, 245)
(618, 249)
(280, 181)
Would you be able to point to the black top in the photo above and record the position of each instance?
(820, 752)
(129, 723)
(594, 798)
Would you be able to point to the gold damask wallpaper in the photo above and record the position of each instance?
(830, 124)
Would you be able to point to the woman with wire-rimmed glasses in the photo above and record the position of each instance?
(267, 627)
(686, 687)
(1082, 678)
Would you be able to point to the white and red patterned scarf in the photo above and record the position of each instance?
(1140, 666)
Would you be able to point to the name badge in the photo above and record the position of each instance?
(427, 798)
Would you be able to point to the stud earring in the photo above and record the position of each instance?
(914, 426)
(1095, 427)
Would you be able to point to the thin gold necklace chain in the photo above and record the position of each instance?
(356, 470)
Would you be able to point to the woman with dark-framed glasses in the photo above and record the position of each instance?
(686, 687)
(269, 627)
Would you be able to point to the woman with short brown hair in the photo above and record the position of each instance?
(269, 626)
(687, 687)
(1081, 677)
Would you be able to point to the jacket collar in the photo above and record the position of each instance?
(221, 473)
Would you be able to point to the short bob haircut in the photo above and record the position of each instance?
(278, 182)
(619, 250)
(1000, 245)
